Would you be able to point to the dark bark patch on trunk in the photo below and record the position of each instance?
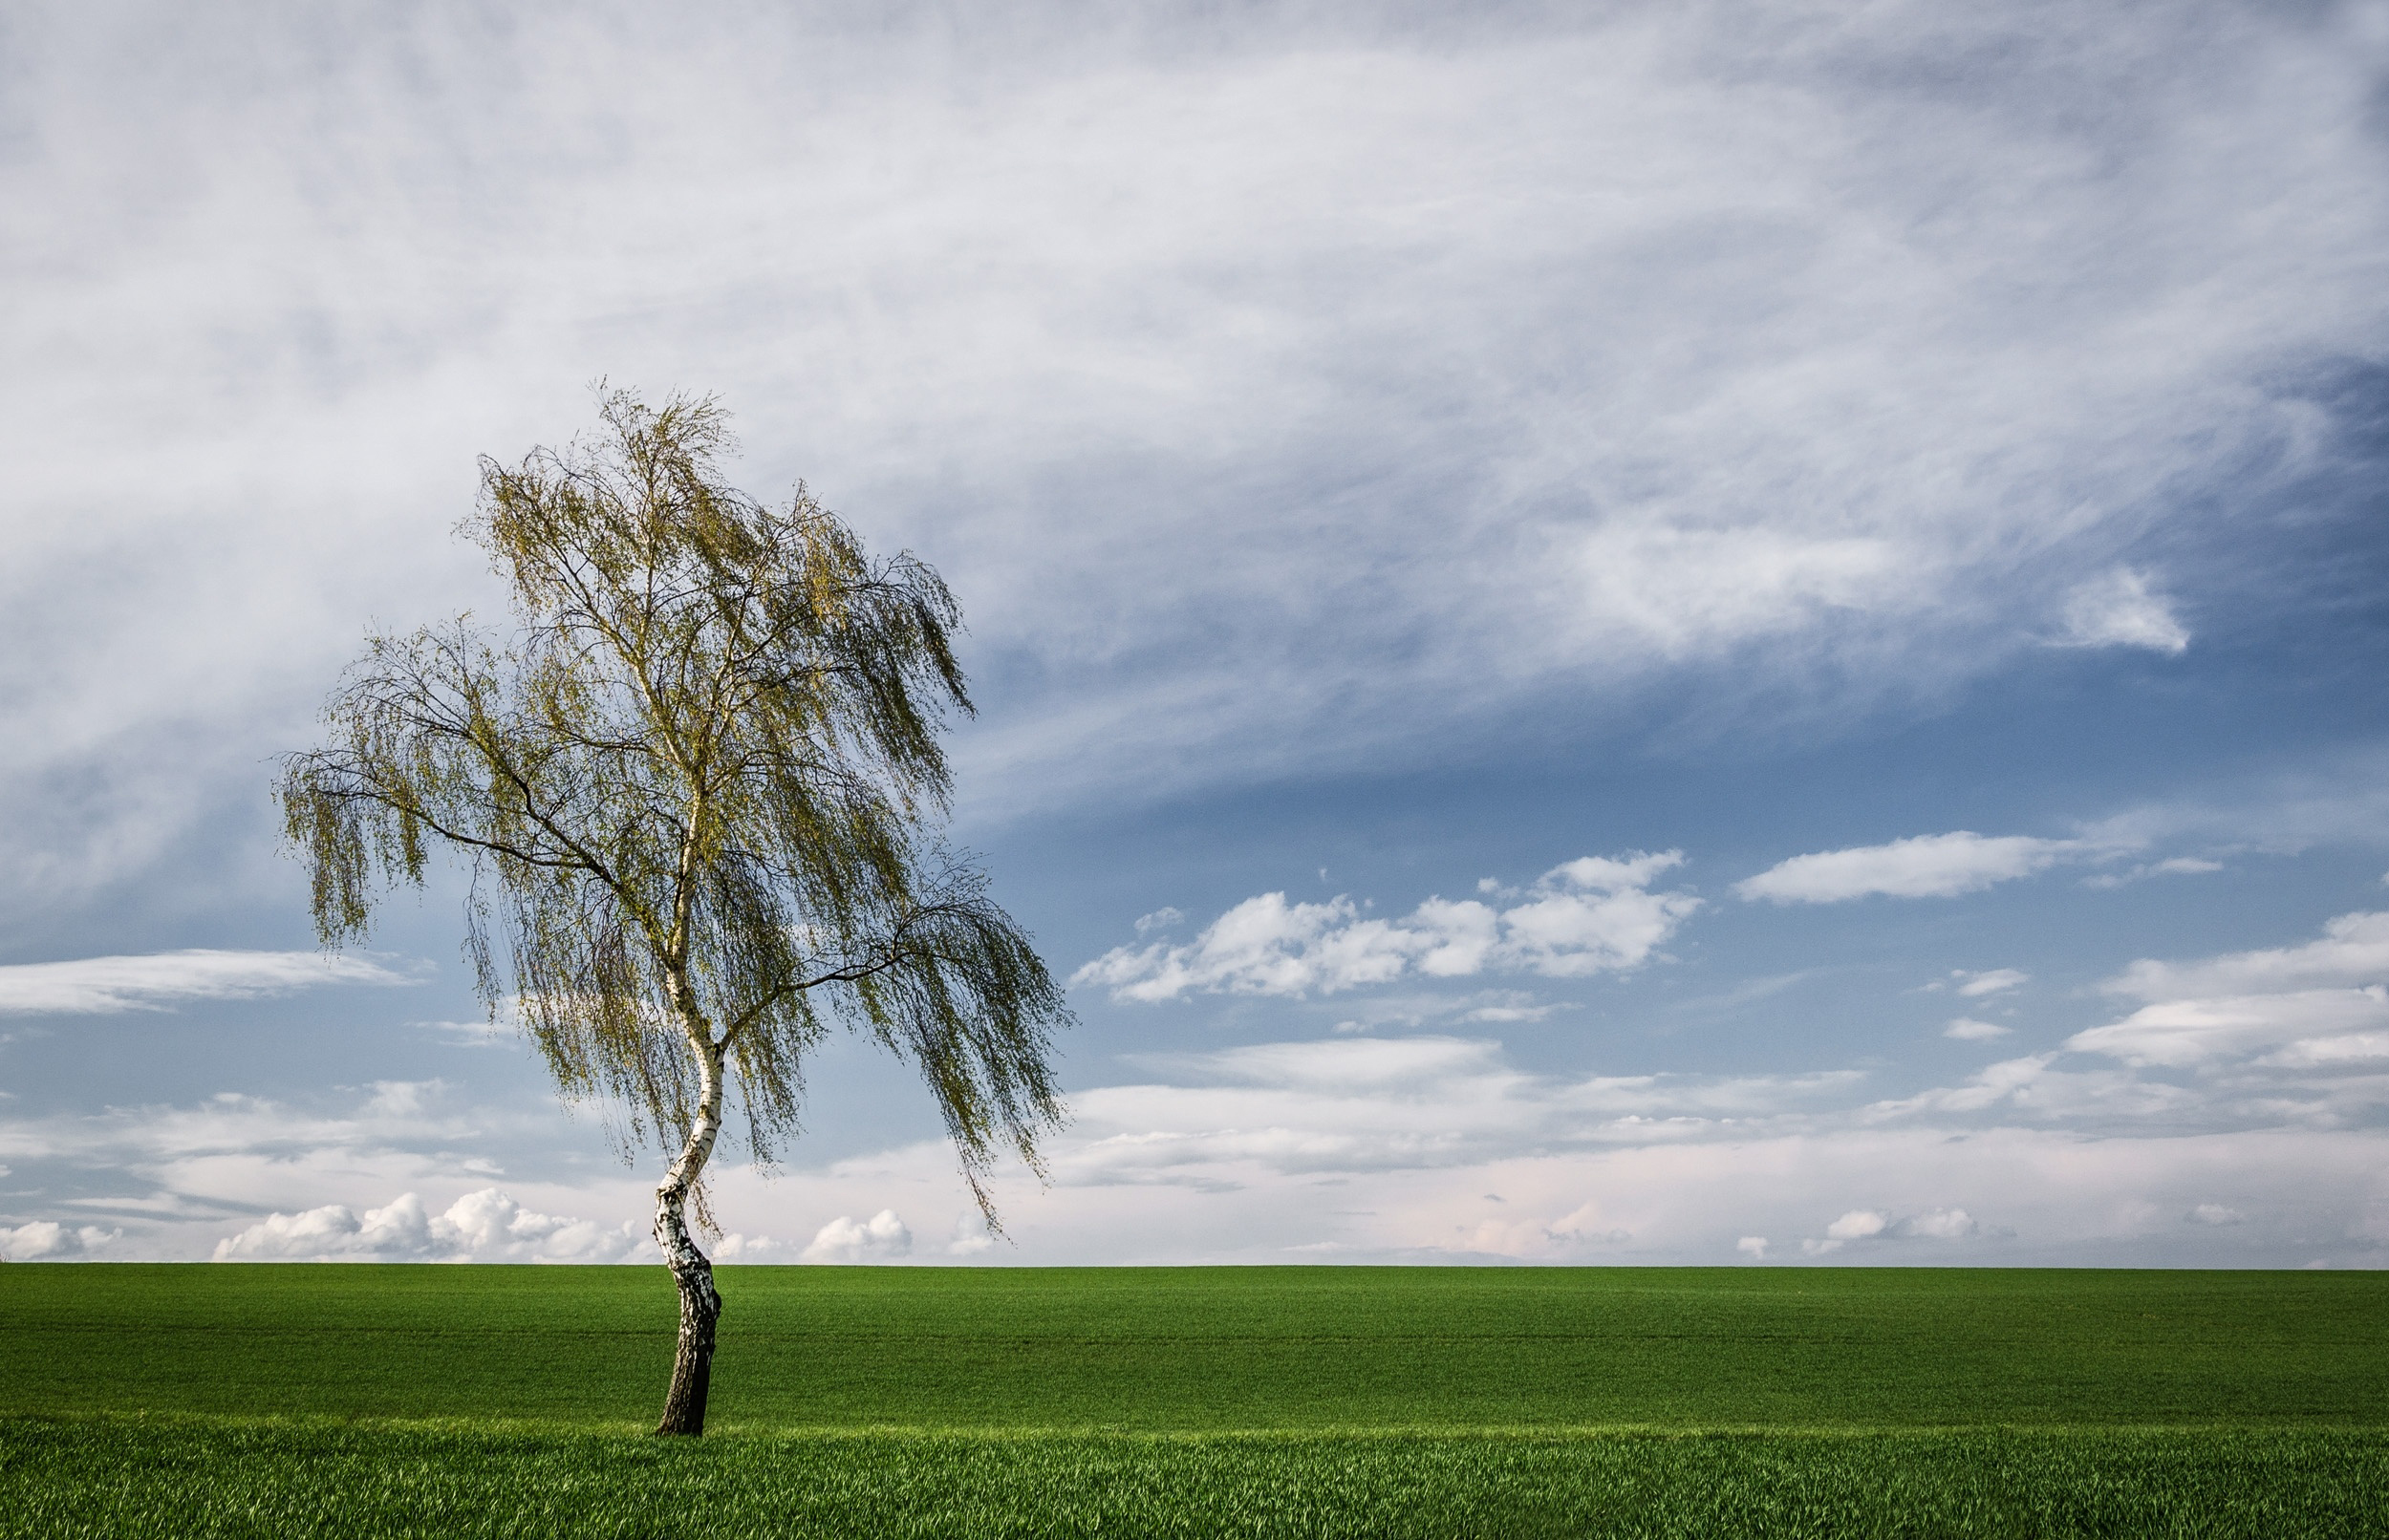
(693, 1363)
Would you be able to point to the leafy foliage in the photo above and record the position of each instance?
(699, 785)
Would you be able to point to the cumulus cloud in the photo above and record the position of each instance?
(1857, 1225)
(1966, 1028)
(2214, 1214)
(44, 1240)
(1990, 982)
(1939, 1225)
(1591, 915)
(2117, 610)
(1754, 1246)
(1875, 1225)
(92, 986)
(486, 1225)
(881, 1238)
(1927, 865)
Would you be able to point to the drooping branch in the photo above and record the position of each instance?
(694, 784)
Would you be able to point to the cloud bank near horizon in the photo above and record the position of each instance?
(2191, 1128)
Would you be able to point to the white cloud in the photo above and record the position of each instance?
(2176, 866)
(1660, 1193)
(44, 1240)
(1586, 342)
(1586, 916)
(1337, 1064)
(969, 1237)
(2117, 610)
(2214, 1214)
(1990, 982)
(882, 1237)
(1939, 1225)
(2354, 950)
(1386, 1147)
(153, 981)
(486, 1225)
(1754, 1246)
(1875, 1225)
(1374, 1148)
(2305, 1029)
(1497, 1006)
(1927, 865)
(1966, 1029)
(2316, 1015)
(1857, 1225)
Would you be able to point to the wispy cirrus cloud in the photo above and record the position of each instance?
(2282, 1036)
(2353, 949)
(2118, 608)
(154, 981)
(2315, 1029)
(1589, 344)
(2307, 1025)
(1927, 865)
(1592, 915)
(2172, 867)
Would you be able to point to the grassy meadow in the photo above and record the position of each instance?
(371, 1400)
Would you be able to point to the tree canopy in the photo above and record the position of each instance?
(699, 785)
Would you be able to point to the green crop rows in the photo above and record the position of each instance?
(364, 1401)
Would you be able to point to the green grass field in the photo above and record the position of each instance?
(371, 1400)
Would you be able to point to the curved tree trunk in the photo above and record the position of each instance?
(701, 1304)
(701, 1308)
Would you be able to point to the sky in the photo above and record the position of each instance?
(1694, 633)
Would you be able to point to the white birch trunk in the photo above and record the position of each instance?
(701, 1304)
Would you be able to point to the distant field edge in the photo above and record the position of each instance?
(1166, 1349)
(199, 1475)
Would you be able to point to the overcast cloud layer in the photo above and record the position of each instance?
(1798, 573)
(1455, 362)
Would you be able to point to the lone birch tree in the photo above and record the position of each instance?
(697, 786)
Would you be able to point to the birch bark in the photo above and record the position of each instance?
(701, 1303)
